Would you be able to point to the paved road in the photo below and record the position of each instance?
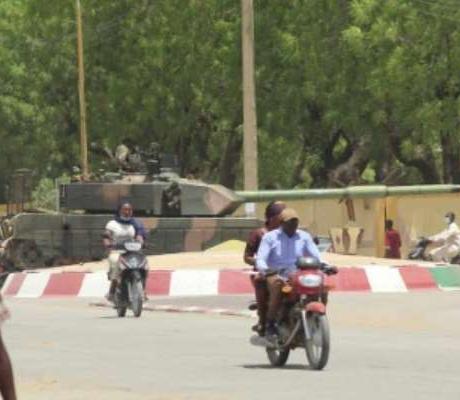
(390, 346)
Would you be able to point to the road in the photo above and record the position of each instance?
(388, 346)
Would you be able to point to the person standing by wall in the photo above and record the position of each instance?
(392, 241)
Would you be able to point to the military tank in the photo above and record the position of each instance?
(179, 214)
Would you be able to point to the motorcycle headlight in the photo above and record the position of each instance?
(133, 246)
(133, 263)
(310, 280)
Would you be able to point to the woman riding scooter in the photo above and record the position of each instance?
(121, 228)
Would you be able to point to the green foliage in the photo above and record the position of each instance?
(45, 194)
(332, 77)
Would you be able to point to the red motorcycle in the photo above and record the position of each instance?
(302, 321)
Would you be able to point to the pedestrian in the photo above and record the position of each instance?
(7, 388)
(392, 241)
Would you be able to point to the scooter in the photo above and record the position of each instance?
(130, 290)
(419, 252)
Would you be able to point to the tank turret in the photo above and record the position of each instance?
(150, 181)
(161, 198)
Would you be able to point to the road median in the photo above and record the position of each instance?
(202, 282)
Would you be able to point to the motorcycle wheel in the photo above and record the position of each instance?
(120, 303)
(136, 297)
(317, 348)
(277, 357)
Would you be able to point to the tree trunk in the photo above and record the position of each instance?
(422, 157)
(450, 160)
(300, 164)
(349, 172)
(320, 174)
(230, 159)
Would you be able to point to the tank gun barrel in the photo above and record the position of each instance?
(349, 192)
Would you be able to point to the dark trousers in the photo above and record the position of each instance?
(274, 285)
(261, 292)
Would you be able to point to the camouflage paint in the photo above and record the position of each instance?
(66, 238)
(197, 198)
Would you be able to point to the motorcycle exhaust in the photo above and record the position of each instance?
(262, 341)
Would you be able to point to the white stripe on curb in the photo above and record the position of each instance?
(94, 285)
(385, 280)
(194, 283)
(34, 285)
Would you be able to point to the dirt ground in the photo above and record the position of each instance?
(229, 255)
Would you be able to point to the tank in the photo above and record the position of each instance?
(179, 214)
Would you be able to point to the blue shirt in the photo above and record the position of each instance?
(280, 252)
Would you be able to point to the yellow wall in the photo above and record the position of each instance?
(413, 216)
(318, 216)
(416, 216)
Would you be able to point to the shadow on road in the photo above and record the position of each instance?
(268, 366)
(116, 317)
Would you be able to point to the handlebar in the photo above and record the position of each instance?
(329, 269)
(323, 267)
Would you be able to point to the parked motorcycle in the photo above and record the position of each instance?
(302, 321)
(130, 290)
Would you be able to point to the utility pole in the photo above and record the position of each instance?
(249, 97)
(81, 95)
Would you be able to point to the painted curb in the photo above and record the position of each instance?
(370, 278)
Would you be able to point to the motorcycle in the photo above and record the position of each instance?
(130, 290)
(302, 321)
(419, 252)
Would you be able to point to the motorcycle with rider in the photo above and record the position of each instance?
(123, 238)
(290, 262)
(444, 246)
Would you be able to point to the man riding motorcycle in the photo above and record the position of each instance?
(448, 241)
(272, 221)
(123, 227)
(276, 259)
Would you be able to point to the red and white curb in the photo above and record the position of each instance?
(369, 278)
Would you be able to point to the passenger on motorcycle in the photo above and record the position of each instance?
(276, 259)
(123, 227)
(272, 221)
(448, 241)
